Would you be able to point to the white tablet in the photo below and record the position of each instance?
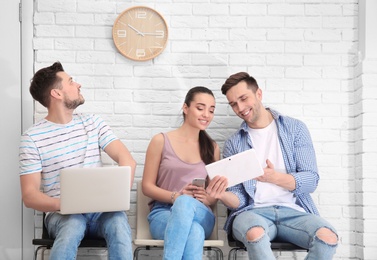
(237, 168)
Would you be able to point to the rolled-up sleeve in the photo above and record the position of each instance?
(305, 169)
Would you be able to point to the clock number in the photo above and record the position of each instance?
(160, 34)
(122, 33)
(140, 53)
(141, 14)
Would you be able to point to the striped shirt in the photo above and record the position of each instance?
(48, 147)
(299, 159)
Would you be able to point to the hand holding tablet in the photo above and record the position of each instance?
(237, 168)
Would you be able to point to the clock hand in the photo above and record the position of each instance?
(136, 30)
(160, 34)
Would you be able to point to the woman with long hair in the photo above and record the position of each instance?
(180, 211)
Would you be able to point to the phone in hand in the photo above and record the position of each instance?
(199, 182)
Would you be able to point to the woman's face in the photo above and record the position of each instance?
(199, 113)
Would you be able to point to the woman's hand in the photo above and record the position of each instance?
(196, 192)
(188, 190)
(200, 194)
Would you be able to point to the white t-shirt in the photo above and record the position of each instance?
(267, 146)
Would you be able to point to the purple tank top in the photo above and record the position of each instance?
(173, 173)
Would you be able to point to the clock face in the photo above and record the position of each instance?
(140, 33)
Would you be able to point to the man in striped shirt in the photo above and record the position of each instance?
(276, 205)
(65, 139)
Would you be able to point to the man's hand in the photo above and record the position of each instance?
(284, 180)
(217, 186)
(269, 173)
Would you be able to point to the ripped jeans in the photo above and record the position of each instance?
(284, 224)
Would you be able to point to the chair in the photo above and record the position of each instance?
(275, 245)
(144, 240)
(46, 242)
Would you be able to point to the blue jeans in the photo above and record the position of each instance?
(284, 224)
(69, 230)
(183, 226)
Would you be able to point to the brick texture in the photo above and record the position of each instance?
(304, 55)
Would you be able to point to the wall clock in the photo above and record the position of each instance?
(140, 33)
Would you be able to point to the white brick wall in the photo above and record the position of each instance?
(303, 54)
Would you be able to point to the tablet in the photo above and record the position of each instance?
(237, 168)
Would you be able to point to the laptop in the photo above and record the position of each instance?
(237, 168)
(101, 189)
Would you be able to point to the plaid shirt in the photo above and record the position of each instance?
(299, 159)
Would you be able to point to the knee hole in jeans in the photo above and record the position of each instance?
(254, 234)
(327, 236)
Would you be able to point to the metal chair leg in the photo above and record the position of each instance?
(218, 252)
(44, 248)
(233, 253)
(136, 252)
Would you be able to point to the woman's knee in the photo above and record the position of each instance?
(183, 200)
(327, 236)
(184, 204)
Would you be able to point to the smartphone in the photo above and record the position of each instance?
(200, 182)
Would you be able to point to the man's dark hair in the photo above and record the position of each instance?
(43, 81)
(237, 78)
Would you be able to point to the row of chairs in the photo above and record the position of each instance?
(144, 240)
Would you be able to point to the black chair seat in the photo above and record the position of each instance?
(86, 242)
